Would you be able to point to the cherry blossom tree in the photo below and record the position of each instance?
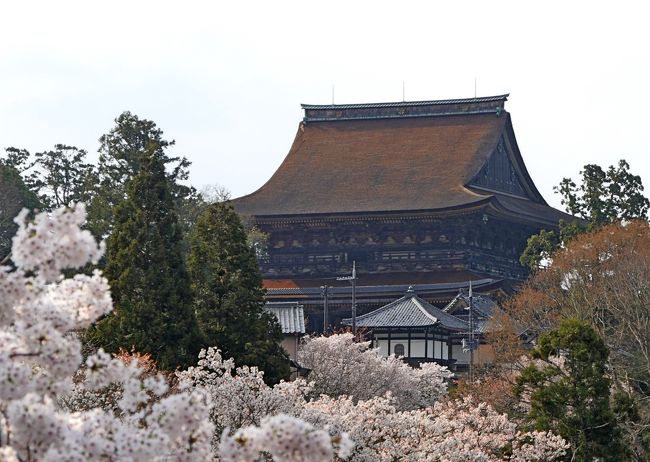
(216, 411)
(340, 366)
(39, 310)
(239, 396)
(456, 431)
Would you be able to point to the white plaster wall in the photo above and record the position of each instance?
(417, 348)
(290, 345)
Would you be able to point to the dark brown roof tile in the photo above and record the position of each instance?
(379, 165)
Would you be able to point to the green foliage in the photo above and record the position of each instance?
(633, 417)
(58, 177)
(145, 269)
(15, 196)
(228, 294)
(539, 248)
(64, 176)
(21, 161)
(121, 153)
(257, 239)
(605, 196)
(570, 391)
(18, 159)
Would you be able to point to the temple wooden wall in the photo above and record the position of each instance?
(396, 244)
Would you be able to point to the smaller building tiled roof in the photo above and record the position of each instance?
(408, 311)
(291, 316)
(483, 306)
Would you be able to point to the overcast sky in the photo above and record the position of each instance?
(226, 79)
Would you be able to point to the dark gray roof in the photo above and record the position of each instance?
(291, 316)
(484, 307)
(404, 109)
(408, 311)
(482, 99)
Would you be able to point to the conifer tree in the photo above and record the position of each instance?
(570, 391)
(14, 196)
(228, 295)
(121, 155)
(146, 271)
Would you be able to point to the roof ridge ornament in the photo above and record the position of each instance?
(405, 109)
(410, 290)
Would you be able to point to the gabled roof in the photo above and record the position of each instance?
(291, 316)
(483, 305)
(483, 308)
(408, 311)
(395, 157)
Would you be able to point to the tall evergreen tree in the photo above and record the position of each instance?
(146, 271)
(228, 294)
(121, 154)
(603, 197)
(570, 391)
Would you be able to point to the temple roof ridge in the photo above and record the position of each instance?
(478, 99)
(404, 109)
(407, 311)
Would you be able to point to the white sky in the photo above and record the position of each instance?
(226, 79)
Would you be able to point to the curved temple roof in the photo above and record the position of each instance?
(408, 311)
(390, 157)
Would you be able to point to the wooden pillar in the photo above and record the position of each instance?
(409, 354)
(372, 339)
(426, 342)
(433, 334)
(449, 348)
(389, 350)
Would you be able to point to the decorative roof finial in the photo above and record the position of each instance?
(410, 290)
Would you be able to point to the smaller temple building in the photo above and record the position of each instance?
(291, 317)
(414, 329)
(484, 308)
(417, 331)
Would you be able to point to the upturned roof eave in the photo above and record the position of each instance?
(492, 201)
(423, 307)
(480, 200)
(348, 322)
(424, 311)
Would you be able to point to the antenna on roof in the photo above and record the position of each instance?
(474, 87)
(353, 280)
(403, 91)
(332, 94)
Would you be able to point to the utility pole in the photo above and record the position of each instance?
(353, 281)
(325, 293)
(470, 344)
(471, 335)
